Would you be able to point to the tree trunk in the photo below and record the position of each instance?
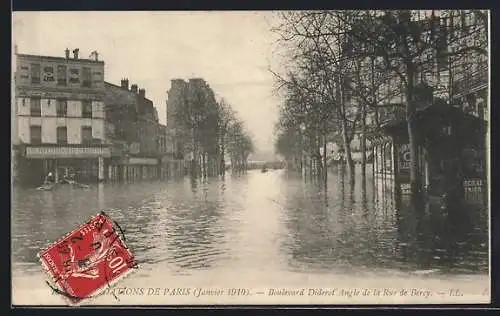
(325, 161)
(416, 186)
(347, 150)
(363, 145)
(341, 112)
(223, 156)
(194, 161)
(205, 165)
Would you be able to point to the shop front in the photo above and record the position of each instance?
(140, 168)
(83, 164)
(450, 154)
(171, 167)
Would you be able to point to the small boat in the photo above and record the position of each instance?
(264, 169)
(46, 187)
(76, 184)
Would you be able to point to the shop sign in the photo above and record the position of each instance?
(67, 152)
(473, 185)
(142, 161)
(405, 188)
(404, 157)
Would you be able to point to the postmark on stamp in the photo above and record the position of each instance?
(89, 259)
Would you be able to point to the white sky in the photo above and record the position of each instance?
(230, 50)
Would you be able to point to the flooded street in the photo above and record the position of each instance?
(256, 230)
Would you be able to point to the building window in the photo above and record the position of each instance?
(97, 78)
(87, 109)
(35, 107)
(24, 73)
(86, 77)
(35, 134)
(86, 135)
(62, 107)
(35, 73)
(62, 135)
(62, 75)
(48, 74)
(74, 76)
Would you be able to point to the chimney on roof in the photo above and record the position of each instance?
(124, 83)
(95, 55)
(133, 88)
(75, 53)
(142, 92)
(66, 51)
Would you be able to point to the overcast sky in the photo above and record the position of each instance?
(230, 50)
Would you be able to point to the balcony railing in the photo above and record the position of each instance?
(471, 82)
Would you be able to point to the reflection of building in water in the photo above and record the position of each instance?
(59, 114)
(101, 198)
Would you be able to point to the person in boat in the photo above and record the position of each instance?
(69, 178)
(49, 179)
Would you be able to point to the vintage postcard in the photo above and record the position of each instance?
(250, 157)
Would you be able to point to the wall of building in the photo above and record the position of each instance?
(148, 137)
(133, 117)
(49, 128)
(49, 121)
(174, 100)
(50, 89)
(49, 72)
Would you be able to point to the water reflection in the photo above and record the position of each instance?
(272, 220)
(356, 229)
(192, 238)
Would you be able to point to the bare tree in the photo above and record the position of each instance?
(410, 44)
(239, 145)
(226, 118)
(321, 48)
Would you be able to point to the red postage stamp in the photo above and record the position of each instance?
(89, 259)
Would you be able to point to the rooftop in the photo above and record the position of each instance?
(60, 59)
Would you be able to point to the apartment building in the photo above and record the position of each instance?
(59, 117)
(133, 129)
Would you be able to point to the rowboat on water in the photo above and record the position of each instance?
(46, 187)
(74, 183)
(49, 185)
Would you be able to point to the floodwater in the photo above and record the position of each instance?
(259, 231)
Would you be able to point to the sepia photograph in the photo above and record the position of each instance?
(173, 158)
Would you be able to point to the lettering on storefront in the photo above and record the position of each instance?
(143, 161)
(404, 157)
(405, 188)
(67, 152)
(473, 185)
(404, 166)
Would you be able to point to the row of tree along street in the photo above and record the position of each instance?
(206, 129)
(344, 67)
